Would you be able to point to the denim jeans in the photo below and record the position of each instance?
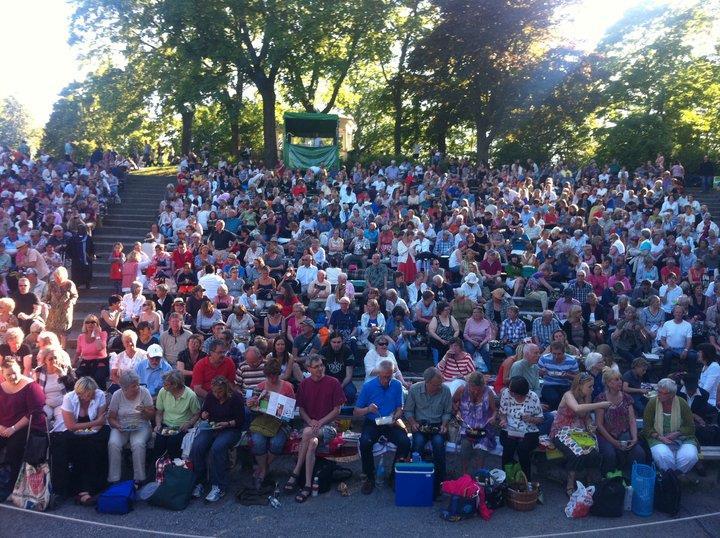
(552, 394)
(483, 350)
(437, 441)
(401, 349)
(217, 442)
(675, 353)
(261, 444)
(371, 432)
(350, 391)
(707, 182)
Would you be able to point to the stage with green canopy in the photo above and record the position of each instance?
(311, 140)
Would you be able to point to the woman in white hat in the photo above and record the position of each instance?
(472, 287)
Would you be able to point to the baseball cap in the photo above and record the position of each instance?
(308, 322)
(155, 351)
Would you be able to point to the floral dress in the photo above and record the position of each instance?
(475, 415)
(62, 299)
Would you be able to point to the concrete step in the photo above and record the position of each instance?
(126, 222)
(136, 213)
(116, 220)
(128, 228)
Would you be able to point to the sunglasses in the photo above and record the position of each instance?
(381, 344)
(91, 323)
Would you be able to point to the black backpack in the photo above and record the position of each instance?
(327, 472)
(609, 498)
(667, 493)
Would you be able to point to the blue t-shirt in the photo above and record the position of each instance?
(548, 363)
(387, 399)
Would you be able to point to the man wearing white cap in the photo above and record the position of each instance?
(152, 369)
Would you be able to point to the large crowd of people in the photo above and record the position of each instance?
(557, 304)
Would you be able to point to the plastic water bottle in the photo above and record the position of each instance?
(316, 487)
(274, 501)
(627, 504)
(381, 472)
(416, 457)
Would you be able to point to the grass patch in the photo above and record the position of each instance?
(156, 171)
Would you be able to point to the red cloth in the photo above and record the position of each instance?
(464, 486)
(467, 487)
(318, 398)
(204, 372)
(28, 401)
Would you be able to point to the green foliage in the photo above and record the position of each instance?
(484, 78)
(15, 123)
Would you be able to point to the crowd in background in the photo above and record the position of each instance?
(548, 297)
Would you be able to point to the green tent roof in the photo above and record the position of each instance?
(307, 124)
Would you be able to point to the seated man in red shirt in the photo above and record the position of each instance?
(207, 368)
(319, 399)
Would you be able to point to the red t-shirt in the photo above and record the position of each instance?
(492, 269)
(318, 398)
(181, 259)
(204, 372)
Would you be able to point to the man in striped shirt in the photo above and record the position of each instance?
(250, 372)
(557, 370)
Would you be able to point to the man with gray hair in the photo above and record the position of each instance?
(380, 402)
(428, 409)
(543, 328)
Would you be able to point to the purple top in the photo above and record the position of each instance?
(617, 418)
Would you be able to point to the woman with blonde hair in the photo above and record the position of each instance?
(151, 316)
(7, 318)
(83, 445)
(17, 350)
(224, 301)
(61, 295)
(56, 377)
(618, 439)
(576, 328)
(573, 431)
(91, 359)
(127, 360)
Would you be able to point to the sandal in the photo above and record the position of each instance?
(303, 495)
(291, 483)
(85, 499)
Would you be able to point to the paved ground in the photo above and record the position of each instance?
(374, 515)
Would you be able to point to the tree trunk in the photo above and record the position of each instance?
(398, 117)
(441, 139)
(266, 88)
(234, 137)
(186, 136)
(482, 146)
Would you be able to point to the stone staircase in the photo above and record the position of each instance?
(711, 199)
(125, 223)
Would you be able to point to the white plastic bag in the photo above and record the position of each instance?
(580, 501)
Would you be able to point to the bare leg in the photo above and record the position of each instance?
(310, 460)
(302, 449)
(570, 482)
(262, 463)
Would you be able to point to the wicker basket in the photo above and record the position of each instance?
(519, 497)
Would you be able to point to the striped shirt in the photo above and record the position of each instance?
(454, 367)
(552, 379)
(249, 377)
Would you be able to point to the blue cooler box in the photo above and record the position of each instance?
(414, 484)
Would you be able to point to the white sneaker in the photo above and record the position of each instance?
(215, 495)
(198, 491)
